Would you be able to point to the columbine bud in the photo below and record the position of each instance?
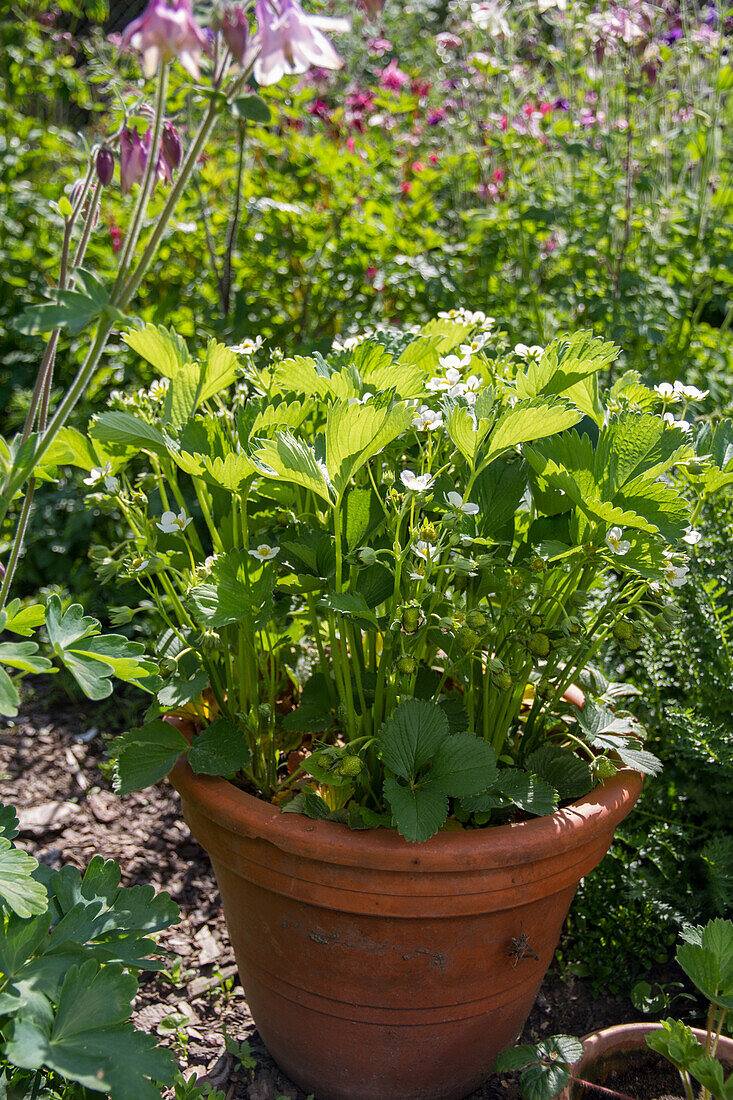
(235, 32)
(170, 146)
(406, 665)
(410, 618)
(133, 158)
(539, 645)
(476, 619)
(467, 639)
(105, 166)
(350, 766)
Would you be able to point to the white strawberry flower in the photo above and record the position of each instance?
(427, 420)
(616, 543)
(263, 552)
(416, 483)
(425, 550)
(692, 393)
(247, 347)
(158, 388)
(666, 390)
(172, 524)
(692, 537)
(455, 500)
(676, 575)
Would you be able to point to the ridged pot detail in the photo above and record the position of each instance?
(376, 969)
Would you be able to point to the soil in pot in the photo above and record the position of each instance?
(649, 1077)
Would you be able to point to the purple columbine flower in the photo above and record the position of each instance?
(166, 31)
(235, 32)
(171, 148)
(133, 157)
(291, 41)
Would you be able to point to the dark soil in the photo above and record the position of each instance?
(651, 1079)
(53, 770)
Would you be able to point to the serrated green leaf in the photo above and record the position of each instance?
(163, 348)
(543, 1081)
(301, 375)
(180, 690)
(146, 754)
(221, 749)
(412, 736)
(529, 792)
(288, 459)
(308, 803)
(463, 765)
(515, 1058)
(236, 591)
(527, 421)
(183, 394)
(570, 776)
(219, 370)
(355, 433)
(418, 812)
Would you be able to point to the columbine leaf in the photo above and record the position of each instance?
(418, 812)
(8, 822)
(18, 890)
(412, 736)
(221, 749)
(89, 1040)
(9, 697)
(146, 754)
(66, 627)
(23, 620)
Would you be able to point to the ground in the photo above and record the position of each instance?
(50, 760)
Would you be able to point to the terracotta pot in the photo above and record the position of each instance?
(615, 1049)
(376, 969)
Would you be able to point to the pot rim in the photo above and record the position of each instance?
(621, 1037)
(596, 813)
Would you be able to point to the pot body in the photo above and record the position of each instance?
(376, 969)
(618, 1048)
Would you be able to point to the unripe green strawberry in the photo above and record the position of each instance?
(410, 618)
(350, 766)
(406, 664)
(622, 631)
(535, 621)
(476, 619)
(516, 580)
(539, 645)
(503, 681)
(695, 468)
(538, 565)
(604, 768)
(466, 639)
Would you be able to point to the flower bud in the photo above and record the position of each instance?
(105, 166)
(367, 556)
(539, 645)
(167, 666)
(171, 147)
(695, 468)
(235, 32)
(350, 766)
(406, 665)
(516, 580)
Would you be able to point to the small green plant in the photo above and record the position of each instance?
(706, 956)
(69, 947)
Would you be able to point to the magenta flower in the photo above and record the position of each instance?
(291, 41)
(166, 31)
(235, 32)
(133, 157)
(105, 166)
(393, 77)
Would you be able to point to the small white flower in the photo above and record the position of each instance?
(427, 420)
(521, 350)
(692, 537)
(665, 389)
(98, 473)
(425, 550)
(416, 483)
(616, 543)
(455, 500)
(158, 388)
(111, 484)
(436, 385)
(265, 552)
(545, 5)
(472, 383)
(247, 347)
(452, 375)
(676, 575)
(172, 524)
(684, 424)
(692, 393)
(368, 396)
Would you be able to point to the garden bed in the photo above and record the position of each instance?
(49, 769)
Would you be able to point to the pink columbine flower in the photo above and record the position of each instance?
(291, 41)
(166, 31)
(235, 32)
(393, 77)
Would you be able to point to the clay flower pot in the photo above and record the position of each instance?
(615, 1049)
(376, 969)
